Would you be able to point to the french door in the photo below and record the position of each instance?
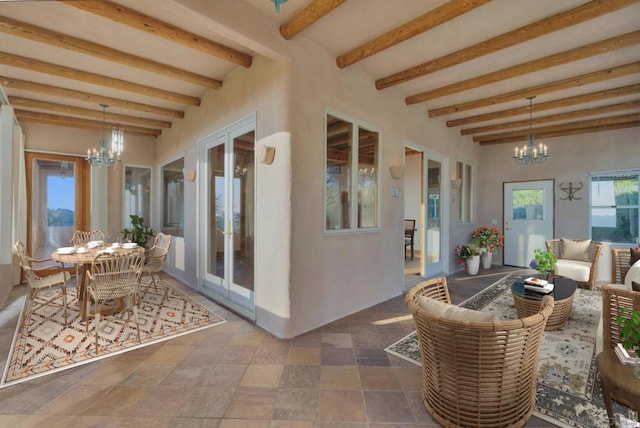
(57, 201)
(528, 220)
(227, 217)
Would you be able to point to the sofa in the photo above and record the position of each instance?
(576, 259)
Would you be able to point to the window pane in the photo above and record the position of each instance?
(338, 173)
(367, 178)
(528, 204)
(614, 207)
(173, 203)
(137, 194)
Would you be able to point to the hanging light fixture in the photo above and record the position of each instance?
(278, 3)
(101, 156)
(529, 153)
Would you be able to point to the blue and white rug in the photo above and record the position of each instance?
(569, 392)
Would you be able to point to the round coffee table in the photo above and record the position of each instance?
(529, 303)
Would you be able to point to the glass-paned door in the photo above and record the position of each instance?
(57, 201)
(229, 220)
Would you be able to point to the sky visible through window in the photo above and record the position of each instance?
(61, 193)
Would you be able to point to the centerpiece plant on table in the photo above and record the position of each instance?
(139, 233)
(543, 261)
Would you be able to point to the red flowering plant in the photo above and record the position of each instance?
(488, 238)
(465, 252)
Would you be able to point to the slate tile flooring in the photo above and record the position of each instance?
(237, 375)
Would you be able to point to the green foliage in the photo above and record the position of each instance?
(629, 328)
(139, 233)
(543, 261)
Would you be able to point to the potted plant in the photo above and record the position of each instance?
(543, 261)
(629, 322)
(490, 240)
(139, 233)
(469, 257)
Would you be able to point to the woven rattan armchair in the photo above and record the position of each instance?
(555, 246)
(477, 374)
(613, 298)
(83, 237)
(619, 264)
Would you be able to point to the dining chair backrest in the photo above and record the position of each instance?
(82, 237)
(25, 260)
(158, 253)
(117, 274)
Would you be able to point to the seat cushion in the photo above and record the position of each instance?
(453, 312)
(575, 250)
(574, 269)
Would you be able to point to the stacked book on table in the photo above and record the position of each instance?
(537, 285)
(623, 355)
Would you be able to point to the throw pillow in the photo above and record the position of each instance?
(575, 250)
(635, 285)
(453, 312)
(635, 256)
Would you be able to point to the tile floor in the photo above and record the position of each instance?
(237, 375)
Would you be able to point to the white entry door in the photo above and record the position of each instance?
(528, 219)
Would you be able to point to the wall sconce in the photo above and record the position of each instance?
(266, 154)
(189, 174)
(456, 183)
(397, 171)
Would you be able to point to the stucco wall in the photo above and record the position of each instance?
(571, 159)
(335, 275)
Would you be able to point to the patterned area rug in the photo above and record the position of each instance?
(569, 392)
(46, 346)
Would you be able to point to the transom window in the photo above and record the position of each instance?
(351, 175)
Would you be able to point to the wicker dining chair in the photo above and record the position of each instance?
(38, 279)
(114, 276)
(477, 374)
(154, 261)
(83, 237)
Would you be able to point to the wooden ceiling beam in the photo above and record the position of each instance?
(547, 25)
(522, 133)
(31, 32)
(25, 85)
(307, 16)
(61, 108)
(74, 122)
(571, 82)
(592, 49)
(554, 117)
(94, 79)
(139, 21)
(441, 14)
(562, 102)
(575, 131)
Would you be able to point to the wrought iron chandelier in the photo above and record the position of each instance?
(529, 153)
(101, 156)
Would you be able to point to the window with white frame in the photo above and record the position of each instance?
(464, 192)
(137, 194)
(351, 175)
(614, 206)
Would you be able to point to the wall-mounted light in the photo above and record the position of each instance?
(397, 171)
(456, 183)
(266, 154)
(189, 174)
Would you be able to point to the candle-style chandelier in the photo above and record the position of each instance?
(529, 153)
(101, 156)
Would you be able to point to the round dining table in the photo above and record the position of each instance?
(82, 259)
